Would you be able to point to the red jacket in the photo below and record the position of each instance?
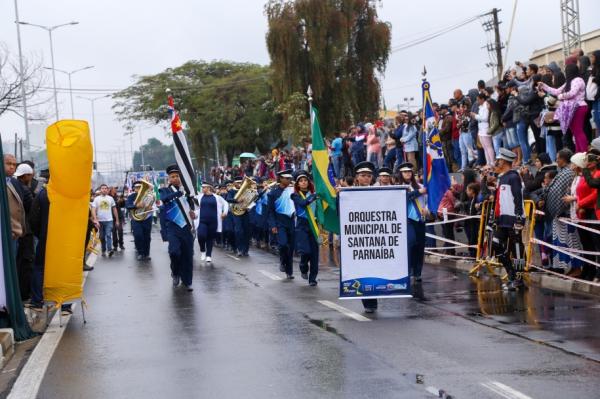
(455, 129)
(587, 196)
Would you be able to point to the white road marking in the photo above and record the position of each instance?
(344, 311)
(433, 390)
(233, 257)
(28, 383)
(270, 275)
(504, 390)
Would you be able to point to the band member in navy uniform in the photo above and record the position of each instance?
(228, 228)
(141, 229)
(241, 223)
(212, 210)
(306, 243)
(417, 211)
(384, 176)
(179, 225)
(281, 220)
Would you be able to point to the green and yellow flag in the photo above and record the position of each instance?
(323, 178)
(312, 222)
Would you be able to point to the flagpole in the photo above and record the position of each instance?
(424, 73)
(309, 92)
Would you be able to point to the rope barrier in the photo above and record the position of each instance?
(439, 248)
(449, 241)
(567, 221)
(453, 220)
(448, 256)
(564, 275)
(562, 249)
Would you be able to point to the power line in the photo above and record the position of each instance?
(433, 35)
(200, 86)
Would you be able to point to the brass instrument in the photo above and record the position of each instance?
(245, 197)
(145, 197)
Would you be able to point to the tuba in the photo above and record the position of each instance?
(144, 197)
(245, 197)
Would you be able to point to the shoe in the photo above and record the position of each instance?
(304, 276)
(87, 268)
(312, 283)
(281, 268)
(597, 280)
(147, 258)
(202, 256)
(370, 310)
(176, 281)
(418, 279)
(111, 253)
(238, 254)
(188, 288)
(104, 254)
(245, 254)
(122, 248)
(208, 259)
(290, 276)
(139, 257)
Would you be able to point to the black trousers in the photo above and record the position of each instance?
(25, 257)
(505, 243)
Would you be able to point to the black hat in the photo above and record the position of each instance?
(444, 106)
(385, 171)
(137, 183)
(238, 178)
(287, 174)
(173, 169)
(301, 173)
(364, 166)
(406, 167)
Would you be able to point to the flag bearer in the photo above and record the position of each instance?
(306, 232)
(179, 215)
(141, 229)
(281, 220)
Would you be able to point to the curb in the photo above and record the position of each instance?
(7, 341)
(540, 279)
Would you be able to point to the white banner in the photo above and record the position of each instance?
(373, 239)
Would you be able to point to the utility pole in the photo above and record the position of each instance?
(498, 44)
(22, 76)
(494, 49)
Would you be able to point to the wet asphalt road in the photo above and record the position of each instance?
(241, 334)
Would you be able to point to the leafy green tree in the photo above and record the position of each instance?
(157, 155)
(336, 46)
(225, 105)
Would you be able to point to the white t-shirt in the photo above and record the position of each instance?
(103, 204)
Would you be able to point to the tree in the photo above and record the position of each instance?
(11, 83)
(225, 105)
(336, 46)
(156, 155)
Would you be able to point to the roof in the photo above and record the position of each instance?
(558, 46)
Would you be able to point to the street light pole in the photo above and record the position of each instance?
(22, 77)
(92, 101)
(49, 29)
(69, 74)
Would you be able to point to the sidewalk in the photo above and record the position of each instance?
(543, 280)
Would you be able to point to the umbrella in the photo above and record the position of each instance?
(247, 155)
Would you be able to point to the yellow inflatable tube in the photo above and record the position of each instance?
(70, 162)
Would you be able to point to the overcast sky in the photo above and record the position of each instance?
(136, 37)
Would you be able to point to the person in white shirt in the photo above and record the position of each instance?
(104, 213)
(483, 123)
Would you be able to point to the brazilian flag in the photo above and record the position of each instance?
(14, 317)
(324, 185)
